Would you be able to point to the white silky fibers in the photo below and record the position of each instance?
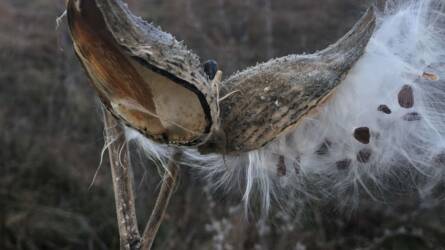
(382, 130)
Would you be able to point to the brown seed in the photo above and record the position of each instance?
(413, 116)
(430, 76)
(385, 109)
(406, 97)
(324, 148)
(439, 159)
(281, 167)
(343, 164)
(364, 155)
(296, 165)
(362, 135)
(375, 135)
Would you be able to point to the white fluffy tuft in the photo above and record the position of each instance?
(322, 158)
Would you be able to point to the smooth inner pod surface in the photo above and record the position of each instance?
(164, 108)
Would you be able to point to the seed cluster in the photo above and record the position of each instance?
(363, 135)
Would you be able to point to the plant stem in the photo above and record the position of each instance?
(122, 183)
(157, 215)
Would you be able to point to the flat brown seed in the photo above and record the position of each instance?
(296, 165)
(281, 167)
(343, 164)
(385, 109)
(362, 135)
(430, 76)
(406, 97)
(364, 155)
(324, 148)
(413, 116)
(439, 159)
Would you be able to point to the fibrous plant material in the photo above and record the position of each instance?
(357, 113)
(382, 117)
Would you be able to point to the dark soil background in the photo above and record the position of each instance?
(51, 138)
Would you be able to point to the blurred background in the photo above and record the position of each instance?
(51, 138)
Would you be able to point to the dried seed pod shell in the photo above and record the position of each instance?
(144, 76)
(298, 84)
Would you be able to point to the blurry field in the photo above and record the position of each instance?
(51, 137)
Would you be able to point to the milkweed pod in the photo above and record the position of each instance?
(144, 76)
(272, 98)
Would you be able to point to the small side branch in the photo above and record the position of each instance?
(157, 215)
(122, 184)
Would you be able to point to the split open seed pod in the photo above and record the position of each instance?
(272, 98)
(143, 76)
(154, 84)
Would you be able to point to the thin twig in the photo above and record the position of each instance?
(157, 215)
(122, 184)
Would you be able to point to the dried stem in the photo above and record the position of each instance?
(157, 215)
(130, 238)
(122, 183)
